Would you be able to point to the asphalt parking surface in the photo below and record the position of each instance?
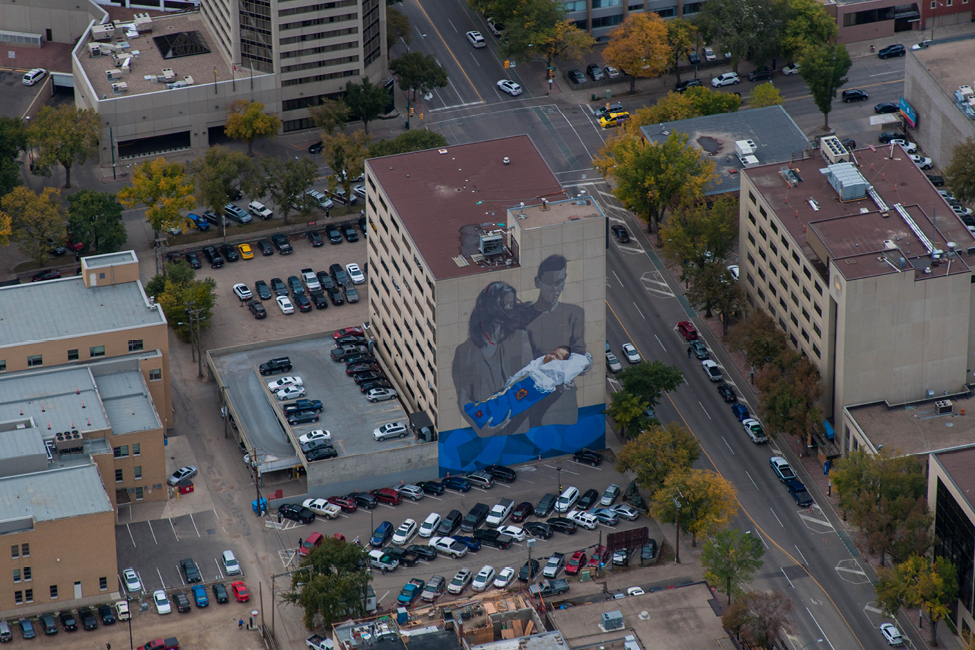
(534, 481)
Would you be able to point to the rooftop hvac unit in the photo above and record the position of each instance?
(120, 87)
(833, 150)
(114, 73)
(169, 74)
(490, 245)
(612, 620)
(966, 91)
(745, 148)
(94, 49)
(69, 442)
(943, 407)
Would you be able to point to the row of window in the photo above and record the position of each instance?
(120, 477)
(27, 595)
(316, 36)
(319, 50)
(325, 6)
(122, 451)
(311, 65)
(94, 352)
(318, 21)
(24, 574)
(319, 77)
(19, 550)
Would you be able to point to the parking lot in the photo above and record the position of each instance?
(534, 481)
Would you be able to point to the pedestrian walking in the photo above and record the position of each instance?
(279, 514)
(689, 352)
(108, 646)
(327, 212)
(240, 624)
(299, 542)
(250, 622)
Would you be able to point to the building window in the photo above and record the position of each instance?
(819, 289)
(805, 315)
(783, 305)
(795, 321)
(761, 295)
(27, 574)
(54, 592)
(136, 449)
(25, 550)
(751, 280)
(772, 290)
(805, 292)
(751, 217)
(138, 472)
(795, 300)
(816, 329)
(751, 197)
(155, 375)
(96, 351)
(16, 575)
(750, 238)
(103, 584)
(818, 310)
(795, 278)
(19, 597)
(34, 360)
(72, 355)
(3, 365)
(761, 253)
(774, 228)
(14, 551)
(805, 335)
(805, 270)
(138, 494)
(763, 212)
(785, 244)
(122, 451)
(761, 233)
(816, 351)
(135, 345)
(118, 476)
(751, 260)
(774, 248)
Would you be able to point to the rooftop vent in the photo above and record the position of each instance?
(612, 621)
(943, 407)
(833, 150)
(490, 244)
(847, 180)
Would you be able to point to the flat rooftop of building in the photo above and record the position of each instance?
(62, 398)
(440, 194)
(55, 494)
(916, 427)
(126, 400)
(685, 617)
(859, 229)
(110, 259)
(775, 134)
(554, 213)
(201, 67)
(543, 641)
(960, 466)
(949, 62)
(66, 308)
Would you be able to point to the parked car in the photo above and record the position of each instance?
(886, 107)
(855, 95)
(892, 50)
(726, 79)
(763, 73)
(576, 77)
(230, 253)
(595, 72)
(791, 69)
(688, 83)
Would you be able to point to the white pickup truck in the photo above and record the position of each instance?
(448, 546)
(318, 642)
(323, 508)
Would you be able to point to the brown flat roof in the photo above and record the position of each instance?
(950, 64)
(960, 466)
(917, 428)
(438, 192)
(857, 230)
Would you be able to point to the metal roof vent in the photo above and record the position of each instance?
(611, 621)
(506, 160)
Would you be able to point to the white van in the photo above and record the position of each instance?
(230, 564)
(430, 525)
(567, 500)
(35, 75)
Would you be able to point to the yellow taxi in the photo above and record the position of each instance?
(613, 119)
(246, 252)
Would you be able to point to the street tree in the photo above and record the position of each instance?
(789, 398)
(807, 23)
(758, 338)
(707, 502)
(417, 71)
(177, 290)
(333, 587)
(714, 289)
(627, 410)
(407, 141)
(329, 115)
(5, 226)
(919, 582)
(694, 102)
(765, 94)
(824, 69)
(540, 29)
(218, 174)
(345, 152)
(699, 233)
(747, 29)
(650, 379)
(366, 101)
(658, 452)
(397, 27)
(761, 618)
(651, 177)
(681, 35)
(564, 41)
(960, 172)
(898, 527)
(64, 135)
(286, 181)
(247, 120)
(731, 558)
(35, 220)
(95, 221)
(639, 47)
(164, 188)
(13, 140)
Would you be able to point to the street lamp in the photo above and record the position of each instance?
(934, 17)
(811, 643)
(559, 470)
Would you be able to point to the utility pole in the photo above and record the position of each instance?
(191, 315)
(677, 520)
(257, 482)
(531, 575)
(598, 549)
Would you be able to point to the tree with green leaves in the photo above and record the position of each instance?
(919, 582)
(164, 188)
(333, 587)
(329, 115)
(412, 140)
(789, 398)
(247, 120)
(758, 338)
(657, 453)
(177, 290)
(694, 102)
(707, 500)
(639, 47)
(761, 618)
(345, 152)
(824, 69)
(960, 172)
(286, 182)
(397, 27)
(807, 24)
(681, 35)
(365, 101)
(539, 29)
(36, 220)
(417, 71)
(627, 410)
(13, 140)
(64, 135)
(699, 233)
(731, 559)
(748, 29)
(651, 177)
(95, 221)
(714, 289)
(765, 94)
(218, 174)
(650, 379)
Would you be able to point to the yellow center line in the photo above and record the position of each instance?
(743, 509)
(462, 71)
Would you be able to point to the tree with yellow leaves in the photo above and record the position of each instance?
(64, 135)
(763, 95)
(707, 502)
(33, 221)
(658, 453)
(639, 47)
(164, 188)
(247, 120)
(919, 581)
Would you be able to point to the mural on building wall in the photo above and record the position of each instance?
(515, 378)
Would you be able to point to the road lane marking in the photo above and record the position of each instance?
(639, 312)
(801, 555)
(777, 519)
(727, 445)
(660, 342)
(618, 279)
(705, 411)
(452, 25)
(462, 71)
(751, 479)
(821, 629)
(782, 569)
(475, 59)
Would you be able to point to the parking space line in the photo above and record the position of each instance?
(173, 526)
(430, 496)
(194, 526)
(508, 487)
(387, 506)
(526, 481)
(153, 533)
(219, 572)
(128, 527)
(163, 582)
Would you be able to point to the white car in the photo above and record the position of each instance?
(285, 304)
(909, 147)
(923, 45)
(733, 269)
(284, 382)
(516, 533)
(712, 370)
(242, 292)
(629, 351)
(181, 474)
(162, 602)
(613, 363)
(290, 392)
(922, 161)
(405, 532)
(390, 430)
(726, 79)
(132, 582)
(709, 54)
(510, 87)
(459, 581)
(961, 210)
(635, 591)
(892, 634)
(626, 511)
(583, 518)
(380, 394)
(476, 39)
(317, 434)
(791, 69)
(429, 525)
(504, 578)
(355, 273)
(483, 578)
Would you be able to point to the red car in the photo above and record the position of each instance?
(77, 247)
(240, 592)
(600, 557)
(388, 495)
(339, 536)
(347, 331)
(522, 511)
(311, 543)
(575, 563)
(688, 330)
(347, 504)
